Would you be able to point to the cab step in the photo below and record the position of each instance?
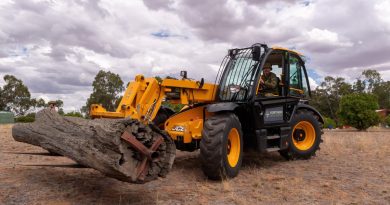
(267, 142)
(272, 149)
(271, 137)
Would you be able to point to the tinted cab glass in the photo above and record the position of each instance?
(298, 82)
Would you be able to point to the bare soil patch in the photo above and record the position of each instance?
(351, 168)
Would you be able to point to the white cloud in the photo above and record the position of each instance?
(322, 36)
(323, 41)
(57, 47)
(313, 83)
(383, 11)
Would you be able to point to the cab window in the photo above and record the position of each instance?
(305, 82)
(298, 82)
(276, 60)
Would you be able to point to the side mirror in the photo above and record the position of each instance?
(183, 74)
(256, 51)
(233, 52)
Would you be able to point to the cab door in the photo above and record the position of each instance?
(270, 110)
(297, 84)
(297, 81)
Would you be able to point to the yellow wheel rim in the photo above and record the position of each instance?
(303, 135)
(233, 147)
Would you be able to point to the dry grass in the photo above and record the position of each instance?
(352, 142)
(351, 168)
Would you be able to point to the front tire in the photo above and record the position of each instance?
(305, 136)
(221, 146)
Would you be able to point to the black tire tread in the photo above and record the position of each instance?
(289, 153)
(211, 145)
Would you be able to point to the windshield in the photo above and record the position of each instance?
(238, 78)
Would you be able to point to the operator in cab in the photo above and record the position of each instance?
(268, 82)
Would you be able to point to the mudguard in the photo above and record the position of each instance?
(308, 107)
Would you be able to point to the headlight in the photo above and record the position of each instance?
(178, 128)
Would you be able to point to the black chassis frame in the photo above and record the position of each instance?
(251, 112)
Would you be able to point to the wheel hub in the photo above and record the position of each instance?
(304, 135)
(229, 147)
(299, 135)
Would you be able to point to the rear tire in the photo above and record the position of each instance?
(305, 136)
(221, 146)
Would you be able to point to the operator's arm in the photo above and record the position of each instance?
(272, 82)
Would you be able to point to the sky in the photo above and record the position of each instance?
(57, 47)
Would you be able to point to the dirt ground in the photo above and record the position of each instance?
(351, 168)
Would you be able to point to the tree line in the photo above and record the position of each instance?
(15, 97)
(340, 102)
(353, 104)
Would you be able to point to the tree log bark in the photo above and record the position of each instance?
(98, 144)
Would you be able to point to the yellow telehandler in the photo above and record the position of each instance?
(224, 118)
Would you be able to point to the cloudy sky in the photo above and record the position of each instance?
(57, 47)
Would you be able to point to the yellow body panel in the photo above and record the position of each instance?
(98, 111)
(191, 123)
(143, 97)
(286, 49)
(138, 101)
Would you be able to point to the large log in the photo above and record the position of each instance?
(98, 144)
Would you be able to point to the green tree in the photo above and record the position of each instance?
(40, 102)
(320, 100)
(387, 120)
(74, 114)
(2, 101)
(59, 103)
(373, 83)
(36, 103)
(359, 86)
(24, 119)
(61, 111)
(372, 79)
(358, 110)
(326, 97)
(15, 96)
(329, 123)
(107, 87)
(368, 81)
(382, 91)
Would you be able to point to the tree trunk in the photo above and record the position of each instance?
(99, 144)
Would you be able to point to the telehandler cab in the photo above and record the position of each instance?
(225, 118)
